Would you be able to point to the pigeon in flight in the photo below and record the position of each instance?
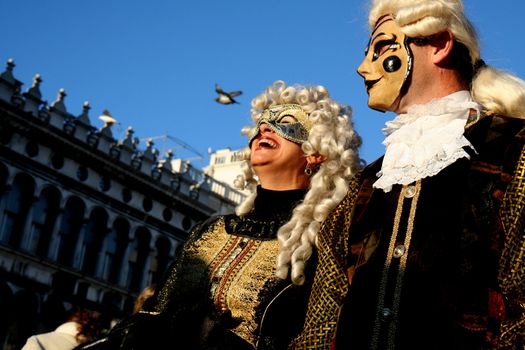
(107, 118)
(226, 98)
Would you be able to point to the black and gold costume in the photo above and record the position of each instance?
(453, 245)
(221, 293)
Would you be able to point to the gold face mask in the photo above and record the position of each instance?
(387, 64)
(289, 121)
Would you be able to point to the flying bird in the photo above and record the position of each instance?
(226, 98)
(107, 118)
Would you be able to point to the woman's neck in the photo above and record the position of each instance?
(271, 202)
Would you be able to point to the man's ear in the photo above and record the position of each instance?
(442, 47)
(315, 159)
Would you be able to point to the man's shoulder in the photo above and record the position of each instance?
(494, 124)
(492, 135)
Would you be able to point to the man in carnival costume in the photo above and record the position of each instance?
(427, 251)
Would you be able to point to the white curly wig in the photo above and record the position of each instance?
(332, 135)
(497, 91)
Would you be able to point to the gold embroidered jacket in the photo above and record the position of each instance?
(438, 264)
(221, 293)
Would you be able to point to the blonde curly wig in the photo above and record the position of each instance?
(497, 91)
(332, 136)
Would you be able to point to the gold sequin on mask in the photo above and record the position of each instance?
(273, 116)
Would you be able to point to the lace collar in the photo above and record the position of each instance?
(425, 140)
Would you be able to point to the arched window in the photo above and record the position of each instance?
(19, 202)
(137, 259)
(4, 173)
(161, 260)
(45, 213)
(116, 244)
(96, 230)
(69, 231)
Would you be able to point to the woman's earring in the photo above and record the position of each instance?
(308, 171)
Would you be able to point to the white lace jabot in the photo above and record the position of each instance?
(425, 140)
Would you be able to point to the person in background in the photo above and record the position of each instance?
(223, 292)
(427, 249)
(143, 297)
(80, 327)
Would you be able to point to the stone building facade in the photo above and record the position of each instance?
(85, 219)
(226, 165)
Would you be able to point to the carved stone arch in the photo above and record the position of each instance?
(45, 212)
(4, 191)
(115, 250)
(70, 229)
(40, 185)
(139, 258)
(95, 232)
(11, 174)
(4, 176)
(161, 258)
(18, 205)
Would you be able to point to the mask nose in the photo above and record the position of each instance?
(363, 68)
(263, 128)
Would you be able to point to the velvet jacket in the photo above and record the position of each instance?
(437, 264)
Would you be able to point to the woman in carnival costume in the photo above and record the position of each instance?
(226, 290)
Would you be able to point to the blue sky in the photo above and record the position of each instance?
(154, 64)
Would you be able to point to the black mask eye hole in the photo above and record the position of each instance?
(392, 64)
(382, 46)
(287, 119)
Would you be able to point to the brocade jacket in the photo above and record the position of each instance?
(221, 292)
(436, 264)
